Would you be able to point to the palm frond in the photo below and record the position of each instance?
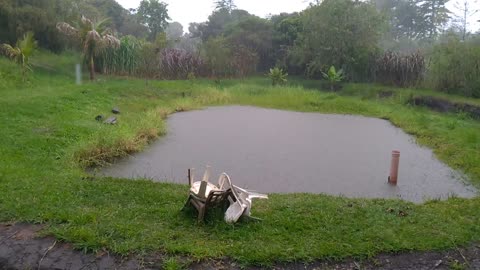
(86, 21)
(90, 42)
(10, 51)
(27, 45)
(110, 41)
(67, 29)
(102, 26)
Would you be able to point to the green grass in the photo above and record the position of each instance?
(49, 136)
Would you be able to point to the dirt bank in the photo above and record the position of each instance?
(443, 105)
(22, 248)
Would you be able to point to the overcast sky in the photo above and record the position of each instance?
(187, 11)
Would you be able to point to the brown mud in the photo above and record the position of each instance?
(446, 106)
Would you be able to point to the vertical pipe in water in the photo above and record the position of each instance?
(393, 178)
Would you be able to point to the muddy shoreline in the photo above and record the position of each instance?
(446, 106)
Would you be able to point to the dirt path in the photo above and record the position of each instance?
(21, 248)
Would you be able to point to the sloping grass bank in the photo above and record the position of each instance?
(49, 135)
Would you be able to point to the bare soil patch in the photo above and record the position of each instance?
(443, 105)
(22, 248)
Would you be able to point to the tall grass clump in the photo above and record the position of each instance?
(455, 67)
(122, 60)
(178, 63)
(399, 69)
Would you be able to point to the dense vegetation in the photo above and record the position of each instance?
(359, 37)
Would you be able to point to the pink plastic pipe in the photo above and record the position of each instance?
(393, 178)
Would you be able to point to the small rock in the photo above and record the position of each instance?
(112, 120)
(116, 111)
(99, 117)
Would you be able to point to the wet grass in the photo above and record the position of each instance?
(49, 135)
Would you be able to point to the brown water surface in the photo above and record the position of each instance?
(275, 151)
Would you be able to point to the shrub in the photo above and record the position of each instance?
(218, 55)
(333, 77)
(244, 61)
(22, 52)
(149, 55)
(178, 63)
(277, 76)
(455, 68)
(403, 70)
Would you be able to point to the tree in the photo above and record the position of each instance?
(154, 14)
(414, 19)
(435, 15)
(93, 37)
(217, 55)
(174, 31)
(5, 22)
(466, 11)
(227, 5)
(217, 23)
(286, 30)
(22, 52)
(252, 38)
(405, 18)
(39, 16)
(341, 33)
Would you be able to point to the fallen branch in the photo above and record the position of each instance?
(45, 254)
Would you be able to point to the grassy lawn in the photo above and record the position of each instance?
(49, 135)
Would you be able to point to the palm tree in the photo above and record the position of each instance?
(93, 36)
(22, 52)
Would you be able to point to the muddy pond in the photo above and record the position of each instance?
(274, 151)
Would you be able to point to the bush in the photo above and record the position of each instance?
(178, 63)
(218, 57)
(244, 61)
(277, 76)
(333, 77)
(455, 68)
(403, 70)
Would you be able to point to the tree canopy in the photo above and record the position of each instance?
(154, 14)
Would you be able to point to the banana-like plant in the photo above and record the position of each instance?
(22, 52)
(93, 36)
(278, 76)
(333, 77)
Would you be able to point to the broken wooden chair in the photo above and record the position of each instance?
(204, 195)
